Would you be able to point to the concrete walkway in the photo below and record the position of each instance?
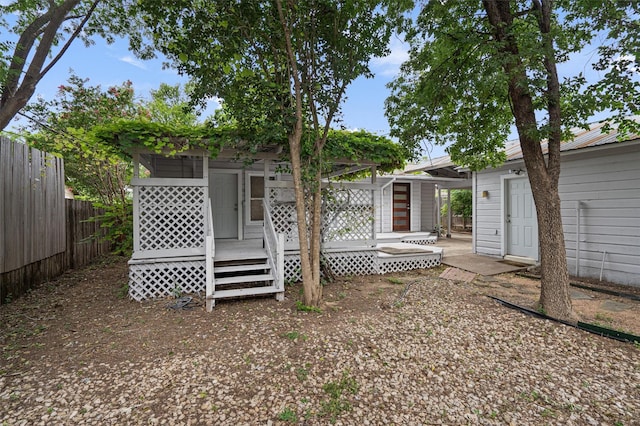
(457, 253)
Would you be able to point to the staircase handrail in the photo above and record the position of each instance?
(274, 244)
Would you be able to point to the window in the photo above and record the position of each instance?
(256, 195)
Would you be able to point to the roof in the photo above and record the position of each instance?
(582, 138)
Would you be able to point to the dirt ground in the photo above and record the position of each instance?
(85, 316)
(422, 349)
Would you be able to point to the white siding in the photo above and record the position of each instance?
(608, 189)
(378, 213)
(488, 226)
(386, 211)
(416, 209)
(428, 198)
(606, 182)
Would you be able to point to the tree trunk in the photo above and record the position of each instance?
(310, 278)
(312, 295)
(554, 300)
(15, 95)
(554, 294)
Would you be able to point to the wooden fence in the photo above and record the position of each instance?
(41, 234)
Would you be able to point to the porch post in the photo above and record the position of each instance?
(438, 214)
(449, 213)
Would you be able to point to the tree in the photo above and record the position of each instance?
(170, 105)
(461, 203)
(282, 69)
(42, 31)
(61, 127)
(477, 67)
(96, 172)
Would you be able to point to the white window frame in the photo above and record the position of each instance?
(247, 196)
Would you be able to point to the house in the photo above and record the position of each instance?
(600, 193)
(227, 227)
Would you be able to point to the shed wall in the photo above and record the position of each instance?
(605, 183)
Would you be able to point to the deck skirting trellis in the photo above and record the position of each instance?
(366, 261)
(149, 280)
(166, 277)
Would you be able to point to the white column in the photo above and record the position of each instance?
(449, 213)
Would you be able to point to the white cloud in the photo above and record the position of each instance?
(630, 60)
(214, 102)
(133, 61)
(390, 64)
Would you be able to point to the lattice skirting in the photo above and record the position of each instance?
(422, 240)
(407, 263)
(364, 262)
(160, 279)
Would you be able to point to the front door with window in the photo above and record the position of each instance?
(223, 191)
(401, 207)
(522, 225)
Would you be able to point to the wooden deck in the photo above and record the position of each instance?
(238, 249)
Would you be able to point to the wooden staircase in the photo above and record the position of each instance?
(243, 273)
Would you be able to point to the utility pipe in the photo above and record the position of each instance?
(604, 253)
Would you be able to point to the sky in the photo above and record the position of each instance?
(108, 65)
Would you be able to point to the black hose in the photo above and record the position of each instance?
(591, 328)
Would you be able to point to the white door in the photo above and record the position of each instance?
(522, 225)
(223, 190)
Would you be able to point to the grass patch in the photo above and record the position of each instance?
(303, 372)
(288, 415)
(337, 404)
(294, 335)
(306, 308)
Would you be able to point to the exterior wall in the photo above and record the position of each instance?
(427, 206)
(605, 183)
(608, 190)
(416, 209)
(385, 211)
(488, 215)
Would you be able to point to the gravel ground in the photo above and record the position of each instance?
(442, 354)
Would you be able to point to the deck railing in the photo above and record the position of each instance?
(347, 208)
(274, 244)
(169, 217)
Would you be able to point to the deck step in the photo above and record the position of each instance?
(233, 256)
(243, 279)
(219, 294)
(239, 268)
